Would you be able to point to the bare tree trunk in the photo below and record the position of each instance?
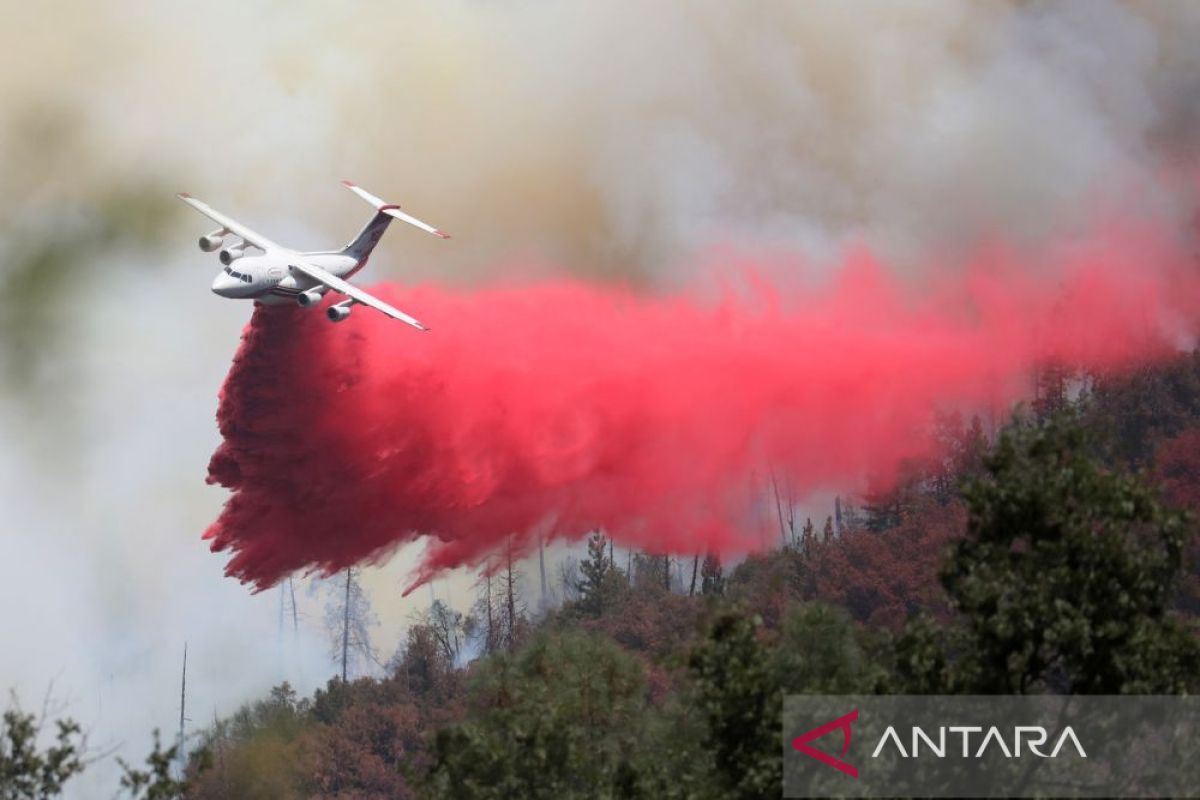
(612, 554)
(779, 509)
(295, 614)
(542, 570)
(490, 643)
(791, 515)
(219, 746)
(695, 565)
(512, 601)
(182, 706)
(667, 572)
(346, 629)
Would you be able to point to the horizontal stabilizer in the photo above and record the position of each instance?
(393, 210)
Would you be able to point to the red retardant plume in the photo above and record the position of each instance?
(568, 407)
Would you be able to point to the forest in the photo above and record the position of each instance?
(1056, 554)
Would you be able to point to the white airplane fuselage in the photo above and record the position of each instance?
(255, 268)
(269, 279)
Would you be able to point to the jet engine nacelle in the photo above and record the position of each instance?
(211, 242)
(337, 313)
(309, 298)
(231, 254)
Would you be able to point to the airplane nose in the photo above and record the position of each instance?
(223, 285)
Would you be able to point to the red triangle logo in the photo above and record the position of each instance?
(843, 724)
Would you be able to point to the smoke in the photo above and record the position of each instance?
(610, 144)
(571, 138)
(643, 415)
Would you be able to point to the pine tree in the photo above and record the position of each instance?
(807, 537)
(827, 533)
(601, 582)
(741, 702)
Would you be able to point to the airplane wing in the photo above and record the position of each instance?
(231, 225)
(350, 290)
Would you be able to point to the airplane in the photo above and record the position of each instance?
(280, 275)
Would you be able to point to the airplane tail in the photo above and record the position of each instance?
(370, 235)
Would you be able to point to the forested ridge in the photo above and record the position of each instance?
(1054, 555)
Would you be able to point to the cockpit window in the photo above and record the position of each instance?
(239, 275)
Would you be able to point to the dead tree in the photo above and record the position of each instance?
(544, 601)
(513, 605)
(346, 626)
(182, 708)
(348, 620)
(485, 612)
(712, 576)
(447, 626)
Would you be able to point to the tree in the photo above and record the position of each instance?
(827, 533)
(787, 519)
(807, 537)
(601, 583)
(28, 772)
(447, 627)
(369, 749)
(595, 567)
(712, 576)
(568, 578)
(558, 719)
(262, 750)
(820, 650)
(157, 782)
(741, 671)
(1050, 389)
(742, 704)
(1135, 410)
(1177, 469)
(1065, 580)
(485, 623)
(514, 606)
(960, 450)
(422, 664)
(499, 611)
(884, 578)
(348, 621)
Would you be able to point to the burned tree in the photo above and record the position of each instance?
(348, 620)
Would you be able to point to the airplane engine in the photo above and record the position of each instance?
(309, 298)
(337, 313)
(211, 242)
(231, 254)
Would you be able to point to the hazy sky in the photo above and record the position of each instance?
(617, 141)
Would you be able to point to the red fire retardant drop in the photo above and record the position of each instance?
(573, 407)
